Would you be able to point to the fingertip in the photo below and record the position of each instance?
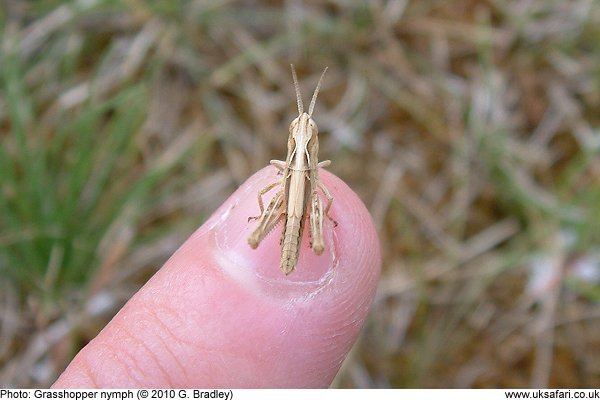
(220, 314)
(329, 294)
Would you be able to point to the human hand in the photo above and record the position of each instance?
(219, 314)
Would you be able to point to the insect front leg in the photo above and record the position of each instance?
(260, 195)
(269, 218)
(280, 165)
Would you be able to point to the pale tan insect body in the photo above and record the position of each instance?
(298, 194)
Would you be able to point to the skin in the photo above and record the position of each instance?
(219, 314)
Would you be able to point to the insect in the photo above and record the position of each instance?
(297, 197)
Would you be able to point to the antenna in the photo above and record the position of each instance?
(314, 98)
(297, 87)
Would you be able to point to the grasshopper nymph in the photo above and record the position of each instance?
(297, 197)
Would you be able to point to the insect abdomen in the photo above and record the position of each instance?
(291, 245)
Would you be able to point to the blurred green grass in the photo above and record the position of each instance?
(469, 128)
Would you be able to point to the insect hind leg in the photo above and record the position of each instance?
(261, 205)
(316, 223)
(269, 218)
(329, 201)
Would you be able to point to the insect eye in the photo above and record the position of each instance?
(293, 124)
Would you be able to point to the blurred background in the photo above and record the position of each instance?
(470, 129)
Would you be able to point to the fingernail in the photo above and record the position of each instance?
(260, 267)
